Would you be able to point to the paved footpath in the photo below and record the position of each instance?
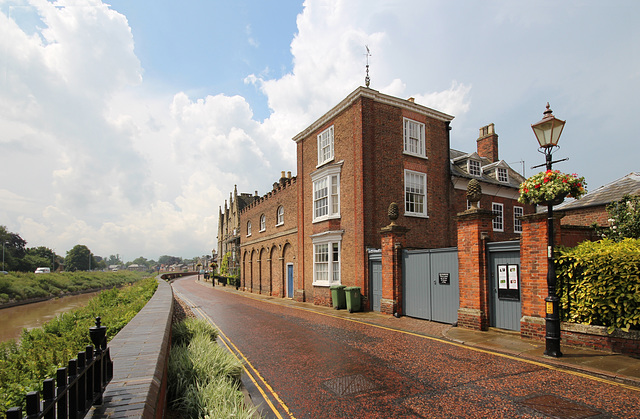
(307, 363)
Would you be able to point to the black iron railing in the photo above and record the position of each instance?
(76, 387)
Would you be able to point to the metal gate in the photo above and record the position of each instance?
(430, 284)
(505, 282)
(375, 272)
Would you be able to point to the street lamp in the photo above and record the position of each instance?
(548, 132)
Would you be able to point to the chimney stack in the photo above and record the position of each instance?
(488, 143)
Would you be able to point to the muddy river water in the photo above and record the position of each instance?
(29, 316)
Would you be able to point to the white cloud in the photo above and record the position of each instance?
(100, 157)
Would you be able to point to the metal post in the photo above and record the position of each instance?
(552, 319)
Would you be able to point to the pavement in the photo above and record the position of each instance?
(611, 366)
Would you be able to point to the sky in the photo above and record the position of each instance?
(124, 125)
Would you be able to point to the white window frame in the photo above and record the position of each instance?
(248, 228)
(326, 193)
(280, 216)
(414, 145)
(517, 221)
(498, 216)
(331, 272)
(263, 223)
(505, 174)
(423, 185)
(477, 168)
(325, 146)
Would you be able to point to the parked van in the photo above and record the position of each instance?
(43, 271)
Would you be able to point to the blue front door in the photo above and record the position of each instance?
(290, 281)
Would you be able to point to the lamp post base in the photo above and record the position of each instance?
(552, 323)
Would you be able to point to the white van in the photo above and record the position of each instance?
(43, 271)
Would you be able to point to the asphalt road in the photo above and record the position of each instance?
(306, 364)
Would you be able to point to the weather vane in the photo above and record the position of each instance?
(366, 79)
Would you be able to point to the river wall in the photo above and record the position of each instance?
(140, 354)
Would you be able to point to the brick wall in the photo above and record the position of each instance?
(266, 254)
(586, 216)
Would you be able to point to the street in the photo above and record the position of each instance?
(310, 364)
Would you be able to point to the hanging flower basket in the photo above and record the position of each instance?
(551, 187)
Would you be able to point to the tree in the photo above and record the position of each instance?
(169, 260)
(140, 261)
(40, 256)
(80, 259)
(114, 260)
(624, 219)
(14, 250)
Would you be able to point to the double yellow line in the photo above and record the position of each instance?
(257, 379)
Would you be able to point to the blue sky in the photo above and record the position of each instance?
(125, 126)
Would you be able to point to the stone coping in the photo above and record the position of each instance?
(140, 353)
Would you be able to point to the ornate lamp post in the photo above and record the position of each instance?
(548, 132)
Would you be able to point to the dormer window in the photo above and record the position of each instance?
(502, 175)
(474, 168)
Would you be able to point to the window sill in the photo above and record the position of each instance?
(415, 215)
(325, 284)
(325, 218)
(420, 156)
(279, 225)
(325, 162)
(262, 231)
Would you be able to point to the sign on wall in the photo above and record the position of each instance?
(509, 282)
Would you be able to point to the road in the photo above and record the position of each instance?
(310, 364)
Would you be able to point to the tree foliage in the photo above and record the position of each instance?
(14, 250)
(80, 259)
(624, 219)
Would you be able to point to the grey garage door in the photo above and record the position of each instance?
(430, 284)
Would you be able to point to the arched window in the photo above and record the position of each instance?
(280, 216)
(248, 228)
(263, 222)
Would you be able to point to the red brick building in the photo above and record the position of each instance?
(368, 151)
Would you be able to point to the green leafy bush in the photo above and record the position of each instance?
(599, 284)
(40, 352)
(203, 378)
(19, 286)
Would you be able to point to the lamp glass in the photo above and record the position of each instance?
(548, 131)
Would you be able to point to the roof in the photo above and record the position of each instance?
(487, 170)
(611, 192)
(378, 97)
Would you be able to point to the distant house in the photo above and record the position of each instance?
(229, 228)
(592, 208)
(135, 267)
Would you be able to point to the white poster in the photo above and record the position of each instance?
(502, 277)
(513, 277)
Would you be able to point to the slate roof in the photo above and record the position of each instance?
(612, 192)
(459, 168)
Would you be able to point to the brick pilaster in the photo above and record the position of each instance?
(533, 268)
(474, 228)
(393, 240)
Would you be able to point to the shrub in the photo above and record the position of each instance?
(599, 284)
(203, 378)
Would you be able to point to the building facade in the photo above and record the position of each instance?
(229, 230)
(368, 151)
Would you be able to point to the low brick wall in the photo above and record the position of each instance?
(140, 354)
(585, 336)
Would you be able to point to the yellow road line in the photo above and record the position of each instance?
(460, 345)
(226, 341)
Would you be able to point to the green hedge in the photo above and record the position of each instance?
(599, 284)
(40, 352)
(19, 286)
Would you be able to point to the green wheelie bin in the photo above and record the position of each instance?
(337, 296)
(353, 297)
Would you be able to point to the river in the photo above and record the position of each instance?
(30, 316)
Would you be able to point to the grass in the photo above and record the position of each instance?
(38, 354)
(20, 286)
(204, 379)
